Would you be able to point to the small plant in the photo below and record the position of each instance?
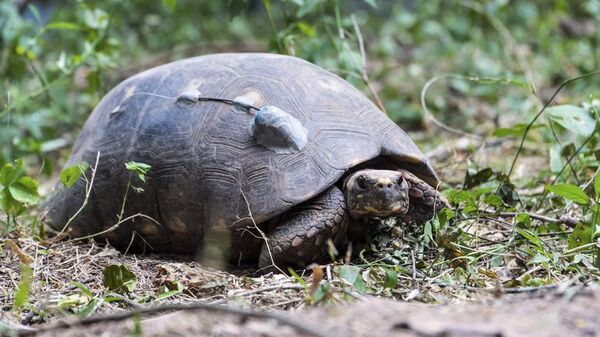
(17, 191)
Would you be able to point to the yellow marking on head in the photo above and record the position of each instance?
(384, 181)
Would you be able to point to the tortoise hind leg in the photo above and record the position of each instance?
(425, 200)
(301, 235)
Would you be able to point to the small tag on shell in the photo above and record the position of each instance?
(278, 131)
(187, 98)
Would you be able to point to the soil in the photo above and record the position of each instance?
(512, 315)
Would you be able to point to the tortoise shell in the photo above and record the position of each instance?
(207, 171)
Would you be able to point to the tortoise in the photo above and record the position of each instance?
(213, 184)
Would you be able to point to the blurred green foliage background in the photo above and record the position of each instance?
(58, 58)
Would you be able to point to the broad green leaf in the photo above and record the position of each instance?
(138, 168)
(582, 234)
(570, 192)
(9, 173)
(118, 278)
(70, 175)
(460, 196)
(494, 200)
(352, 274)
(349, 273)
(573, 118)
(25, 190)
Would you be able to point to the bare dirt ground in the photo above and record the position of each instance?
(251, 305)
(516, 315)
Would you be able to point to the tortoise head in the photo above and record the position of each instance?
(376, 193)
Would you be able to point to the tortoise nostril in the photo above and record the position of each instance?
(389, 185)
(380, 185)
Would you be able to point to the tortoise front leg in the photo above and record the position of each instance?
(301, 235)
(425, 200)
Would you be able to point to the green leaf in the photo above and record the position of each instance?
(352, 275)
(22, 291)
(167, 294)
(556, 160)
(70, 175)
(582, 234)
(531, 237)
(539, 258)
(86, 291)
(570, 192)
(6, 200)
(597, 186)
(460, 196)
(138, 168)
(63, 25)
(523, 219)
(118, 278)
(25, 190)
(96, 18)
(517, 130)
(349, 273)
(391, 278)
(90, 308)
(573, 118)
(9, 173)
(494, 200)
(171, 5)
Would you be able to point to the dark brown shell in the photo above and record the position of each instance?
(205, 164)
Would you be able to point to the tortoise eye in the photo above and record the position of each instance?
(362, 182)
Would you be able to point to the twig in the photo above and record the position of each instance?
(414, 269)
(262, 234)
(586, 185)
(260, 290)
(504, 290)
(115, 226)
(564, 167)
(430, 115)
(301, 327)
(127, 301)
(564, 220)
(363, 67)
(88, 191)
(535, 118)
(508, 38)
